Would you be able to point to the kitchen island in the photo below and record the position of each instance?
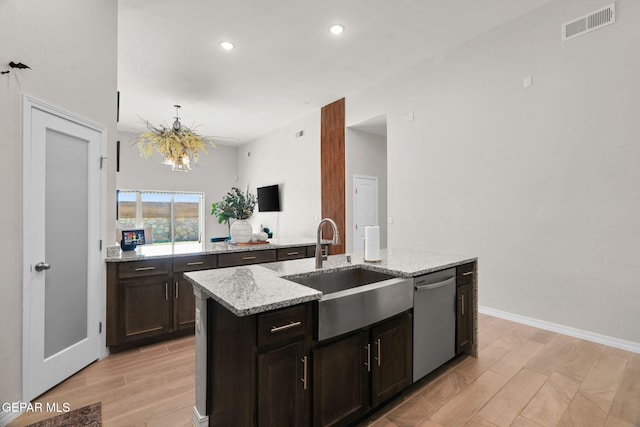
(258, 358)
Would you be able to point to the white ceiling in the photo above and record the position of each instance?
(286, 64)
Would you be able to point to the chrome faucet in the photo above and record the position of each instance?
(334, 241)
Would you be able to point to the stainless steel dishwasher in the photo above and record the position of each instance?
(434, 321)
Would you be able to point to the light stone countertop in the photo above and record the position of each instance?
(258, 288)
(186, 249)
(250, 289)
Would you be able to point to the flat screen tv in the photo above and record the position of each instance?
(268, 199)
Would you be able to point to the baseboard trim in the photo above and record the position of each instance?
(198, 420)
(7, 417)
(565, 330)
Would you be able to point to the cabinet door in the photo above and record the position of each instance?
(282, 387)
(340, 381)
(391, 358)
(184, 303)
(146, 307)
(464, 320)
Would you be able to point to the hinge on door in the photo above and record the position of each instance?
(100, 244)
(100, 327)
(102, 159)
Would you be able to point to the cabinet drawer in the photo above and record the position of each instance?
(246, 258)
(144, 268)
(292, 253)
(278, 327)
(464, 274)
(194, 263)
(311, 251)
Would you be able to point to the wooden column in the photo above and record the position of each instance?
(332, 169)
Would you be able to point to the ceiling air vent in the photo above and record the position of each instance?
(592, 21)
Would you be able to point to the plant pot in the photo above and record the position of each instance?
(241, 231)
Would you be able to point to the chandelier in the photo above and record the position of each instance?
(178, 145)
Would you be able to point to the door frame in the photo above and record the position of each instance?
(355, 204)
(28, 105)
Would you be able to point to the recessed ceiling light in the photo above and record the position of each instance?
(227, 45)
(336, 29)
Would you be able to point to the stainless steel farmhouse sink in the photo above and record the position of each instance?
(355, 298)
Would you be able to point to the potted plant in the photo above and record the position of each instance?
(239, 206)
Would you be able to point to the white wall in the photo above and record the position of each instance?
(541, 183)
(71, 47)
(365, 154)
(293, 164)
(214, 174)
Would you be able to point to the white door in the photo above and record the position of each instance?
(365, 207)
(61, 238)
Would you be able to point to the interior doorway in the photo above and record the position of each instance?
(366, 157)
(365, 207)
(62, 227)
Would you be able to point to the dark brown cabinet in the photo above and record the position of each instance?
(311, 251)
(150, 300)
(285, 254)
(391, 347)
(144, 268)
(141, 292)
(360, 371)
(246, 258)
(340, 381)
(184, 301)
(145, 308)
(283, 367)
(283, 379)
(464, 308)
(259, 368)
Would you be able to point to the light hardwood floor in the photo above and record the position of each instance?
(523, 377)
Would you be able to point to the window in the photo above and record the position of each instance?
(174, 217)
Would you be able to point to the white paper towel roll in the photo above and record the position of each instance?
(372, 243)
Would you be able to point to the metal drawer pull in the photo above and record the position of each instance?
(304, 371)
(275, 329)
(368, 362)
(248, 257)
(462, 305)
(195, 263)
(177, 287)
(421, 287)
(292, 253)
(379, 351)
(166, 291)
(145, 268)
(467, 273)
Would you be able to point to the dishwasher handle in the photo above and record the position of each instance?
(446, 282)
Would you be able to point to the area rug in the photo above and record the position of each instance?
(87, 416)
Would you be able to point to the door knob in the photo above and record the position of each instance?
(42, 266)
